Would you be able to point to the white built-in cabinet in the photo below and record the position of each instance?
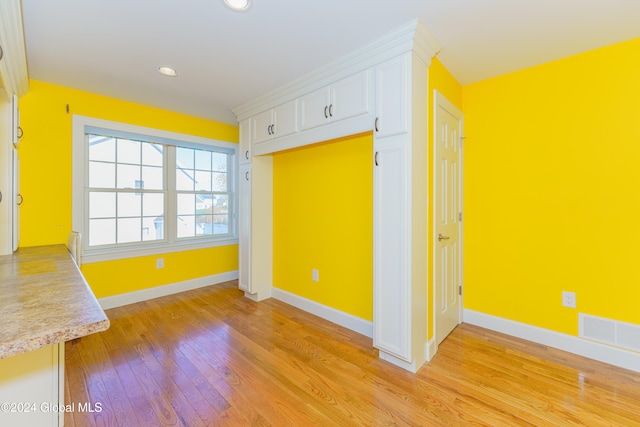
(244, 225)
(275, 122)
(383, 89)
(348, 97)
(245, 141)
(400, 211)
(32, 388)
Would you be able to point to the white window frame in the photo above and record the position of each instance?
(80, 163)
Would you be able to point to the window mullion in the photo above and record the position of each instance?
(171, 195)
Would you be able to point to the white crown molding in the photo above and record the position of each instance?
(412, 36)
(13, 65)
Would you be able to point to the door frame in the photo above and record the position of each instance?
(440, 101)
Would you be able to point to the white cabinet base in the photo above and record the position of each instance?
(32, 388)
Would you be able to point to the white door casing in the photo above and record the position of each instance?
(448, 127)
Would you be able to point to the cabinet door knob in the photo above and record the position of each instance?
(273, 129)
(441, 237)
(246, 154)
(331, 110)
(19, 203)
(325, 112)
(246, 175)
(376, 124)
(376, 158)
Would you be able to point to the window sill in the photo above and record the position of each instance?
(101, 255)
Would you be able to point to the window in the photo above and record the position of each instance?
(144, 191)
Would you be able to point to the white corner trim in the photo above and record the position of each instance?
(431, 349)
(593, 350)
(161, 291)
(341, 318)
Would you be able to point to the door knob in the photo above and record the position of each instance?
(441, 237)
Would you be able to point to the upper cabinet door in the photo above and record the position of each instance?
(346, 98)
(261, 126)
(314, 108)
(392, 97)
(285, 119)
(245, 141)
(349, 97)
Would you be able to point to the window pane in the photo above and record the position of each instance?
(220, 204)
(102, 205)
(184, 180)
(102, 175)
(128, 151)
(152, 154)
(152, 228)
(204, 225)
(203, 181)
(102, 148)
(203, 160)
(184, 157)
(129, 204)
(129, 230)
(102, 232)
(220, 162)
(151, 178)
(186, 204)
(186, 226)
(128, 176)
(219, 181)
(220, 224)
(153, 204)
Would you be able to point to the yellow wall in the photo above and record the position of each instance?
(45, 154)
(323, 219)
(552, 167)
(440, 79)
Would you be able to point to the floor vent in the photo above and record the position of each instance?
(613, 332)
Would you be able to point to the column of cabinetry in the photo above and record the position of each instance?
(254, 224)
(400, 215)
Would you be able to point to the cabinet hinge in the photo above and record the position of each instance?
(461, 139)
(459, 216)
(460, 290)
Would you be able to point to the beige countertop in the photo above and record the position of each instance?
(44, 300)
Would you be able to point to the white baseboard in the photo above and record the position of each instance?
(341, 318)
(161, 291)
(593, 350)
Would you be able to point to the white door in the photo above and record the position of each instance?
(244, 256)
(448, 211)
(391, 297)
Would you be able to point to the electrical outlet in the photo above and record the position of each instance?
(159, 262)
(315, 275)
(569, 299)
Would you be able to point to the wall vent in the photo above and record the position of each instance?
(612, 332)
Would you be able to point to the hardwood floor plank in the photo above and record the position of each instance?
(212, 357)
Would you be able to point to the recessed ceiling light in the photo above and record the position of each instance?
(168, 71)
(238, 5)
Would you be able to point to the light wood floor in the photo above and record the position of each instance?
(213, 357)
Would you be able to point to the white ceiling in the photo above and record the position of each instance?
(114, 47)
